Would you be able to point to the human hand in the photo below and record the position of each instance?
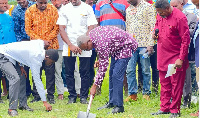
(93, 90)
(75, 49)
(96, 64)
(23, 71)
(155, 37)
(150, 50)
(47, 105)
(46, 44)
(178, 63)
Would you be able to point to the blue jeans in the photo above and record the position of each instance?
(116, 78)
(193, 79)
(63, 74)
(131, 73)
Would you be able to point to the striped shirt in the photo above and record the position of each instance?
(108, 16)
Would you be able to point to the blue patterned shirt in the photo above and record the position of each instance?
(19, 20)
(7, 34)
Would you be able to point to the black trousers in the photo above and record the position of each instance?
(28, 86)
(50, 81)
(92, 72)
(84, 69)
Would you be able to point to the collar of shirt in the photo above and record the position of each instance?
(141, 3)
(37, 10)
(134, 8)
(170, 14)
(189, 2)
(29, 4)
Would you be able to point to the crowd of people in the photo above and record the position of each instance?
(37, 36)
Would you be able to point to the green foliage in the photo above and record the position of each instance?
(134, 109)
(12, 2)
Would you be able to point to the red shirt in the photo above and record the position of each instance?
(173, 41)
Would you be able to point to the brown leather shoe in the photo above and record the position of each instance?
(147, 97)
(131, 97)
(60, 97)
(195, 114)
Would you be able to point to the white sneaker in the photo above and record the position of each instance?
(194, 99)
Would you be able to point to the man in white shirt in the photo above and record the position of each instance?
(75, 19)
(31, 54)
(58, 65)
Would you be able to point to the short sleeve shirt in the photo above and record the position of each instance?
(76, 19)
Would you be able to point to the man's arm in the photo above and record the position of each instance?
(65, 38)
(97, 12)
(35, 69)
(103, 63)
(55, 29)
(128, 19)
(29, 25)
(98, 20)
(91, 20)
(183, 30)
(151, 17)
(17, 25)
(90, 28)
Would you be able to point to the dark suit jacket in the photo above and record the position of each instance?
(192, 19)
(196, 45)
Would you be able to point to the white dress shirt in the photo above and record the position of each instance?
(30, 53)
(76, 19)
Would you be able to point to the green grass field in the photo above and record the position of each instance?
(134, 109)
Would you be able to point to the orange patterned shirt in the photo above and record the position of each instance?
(42, 24)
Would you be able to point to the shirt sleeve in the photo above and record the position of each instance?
(103, 65)
(97, 10)
(28, 25)
(17, 26)
(55, 29)
(91, 18)
(128, 20)
(151, 20)
(126, 4)
(35, 69)
(183, 30)
(62, 20)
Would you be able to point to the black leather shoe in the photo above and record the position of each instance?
(159, 112)
(51, 101)
(174, 115)
(108, 105)
(26, 107)
(35, 100)
(83, 101)
(71, 100)
(13, 112)
(118, 109)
